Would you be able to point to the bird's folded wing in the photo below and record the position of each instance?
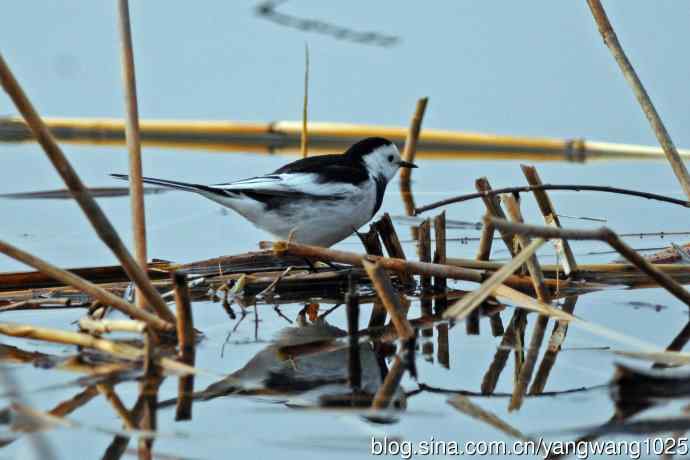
(290, 184)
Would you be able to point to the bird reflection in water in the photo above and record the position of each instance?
(308, 365)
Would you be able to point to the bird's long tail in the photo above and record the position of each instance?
(171, 184)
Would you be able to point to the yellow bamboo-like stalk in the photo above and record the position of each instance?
(324, 137)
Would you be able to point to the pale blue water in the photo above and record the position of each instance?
(531, 69)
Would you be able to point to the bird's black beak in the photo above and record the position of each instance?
(406, 164)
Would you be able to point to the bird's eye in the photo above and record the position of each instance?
(390, 158)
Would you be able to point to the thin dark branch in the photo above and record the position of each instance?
(576, 188)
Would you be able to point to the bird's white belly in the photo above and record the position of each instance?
(317, 222)
(321, 223)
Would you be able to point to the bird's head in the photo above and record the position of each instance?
(380, 156)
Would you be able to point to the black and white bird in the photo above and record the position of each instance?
(317, 200)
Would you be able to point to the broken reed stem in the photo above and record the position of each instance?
(105, 326)
(677, 344)
(105, 230)
(550, 217)
(440, 283)
(390, 299)
(486, 240)
(608, 236)
(543, 294)
(148, 390)
(108, 392)
(493, 208)
(560, 330)
(411, 140)
(384, 226)
(132, 135)
(83, 285)
(424, 253)
(68, 406)
(508, 341)
(304, 140)
(472, 300)
(354, 364)
(119, 350)
(611, 41)
(531, 188)
(371, 242)
(384, 395)
(533, 266)
(394, 264)
(185, 340)
(409, 151)
(465, 405)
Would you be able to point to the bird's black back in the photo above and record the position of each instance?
(348, 167)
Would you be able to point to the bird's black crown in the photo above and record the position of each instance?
(364, 147)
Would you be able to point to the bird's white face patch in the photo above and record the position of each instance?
(383, 161)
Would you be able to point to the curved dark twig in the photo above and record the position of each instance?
(576, 188)
(423, 387)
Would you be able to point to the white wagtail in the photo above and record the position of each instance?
(319, 200)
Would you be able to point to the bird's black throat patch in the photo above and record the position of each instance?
(381, 183)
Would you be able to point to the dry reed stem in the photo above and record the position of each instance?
(91, 289)
(543, 294)
(390, 299)
(558, 335)
(148, 391)
(304, 139)
(486, 240)
(105, 326)
(408, 155)
(37, 303)
(133, 137)
(271, 287)
(394, 264)
(493, 208)
(185, 339)
(371, 242)
(677, 344)
(608, 236)
(611, 41)
(108, 392)
(508, 341)
(424, 253)
(384, 394)
(92, 210)
(384, 226)
(354, 363)
(119, 350)
(550, 217)
(466, 406)
(70, 405)
(648, 350)
(531, 188)
(440, 284)
(464, 306)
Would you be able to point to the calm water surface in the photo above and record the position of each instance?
(537, 70)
